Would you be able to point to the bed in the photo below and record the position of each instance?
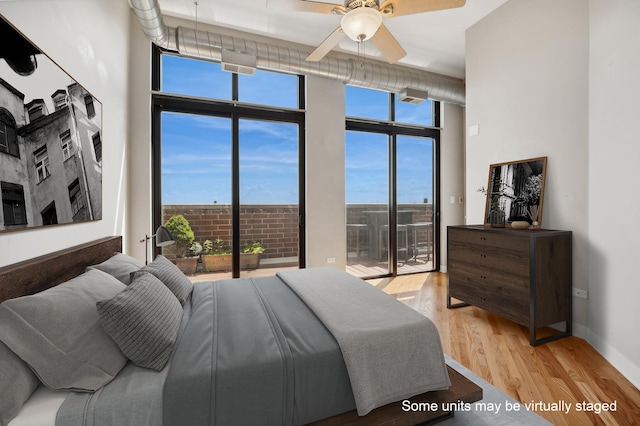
(321, 374)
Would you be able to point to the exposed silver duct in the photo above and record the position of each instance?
(150, 18)
(374, 75)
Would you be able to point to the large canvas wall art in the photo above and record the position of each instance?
(50, 140)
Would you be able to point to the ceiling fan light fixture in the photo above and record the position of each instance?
(361, 23)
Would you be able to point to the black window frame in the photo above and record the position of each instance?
(393, 129)
(236, 111)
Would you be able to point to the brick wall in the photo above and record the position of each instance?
(274, 225)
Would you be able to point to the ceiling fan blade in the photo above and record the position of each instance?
(388, 45)
(308, 6)
(392, 8)
(326, 45)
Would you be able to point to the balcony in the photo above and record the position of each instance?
(276, 227)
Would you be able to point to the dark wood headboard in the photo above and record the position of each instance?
(43, 272)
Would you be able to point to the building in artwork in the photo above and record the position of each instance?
(50, 162)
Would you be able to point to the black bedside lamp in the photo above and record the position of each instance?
(163, 238)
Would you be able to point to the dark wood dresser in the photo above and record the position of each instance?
(521, 275)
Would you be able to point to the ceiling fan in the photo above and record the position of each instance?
(362, 20)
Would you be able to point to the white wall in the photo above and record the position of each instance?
(89, 39)
(560, 79)
(451, 174)
(614, 151)
(527, 91)
(325, 139)
(139, 201)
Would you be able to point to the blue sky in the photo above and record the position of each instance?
(196, 150)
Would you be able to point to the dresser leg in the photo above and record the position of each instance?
(455, 305)
(534, 341)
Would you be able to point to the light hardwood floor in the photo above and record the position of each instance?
(498, 350)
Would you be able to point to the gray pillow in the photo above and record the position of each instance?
(164, 270)
(17, 382)
(143, 320)
(58, 333)
(120, 266)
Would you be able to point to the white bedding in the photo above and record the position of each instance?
(41, 408)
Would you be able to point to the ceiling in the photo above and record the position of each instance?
(433, 41)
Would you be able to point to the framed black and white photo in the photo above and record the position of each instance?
(516, 189)
(50, 140)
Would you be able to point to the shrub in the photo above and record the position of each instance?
(179, 228)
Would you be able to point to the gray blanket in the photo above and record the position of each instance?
(391, 351)
(254, 354)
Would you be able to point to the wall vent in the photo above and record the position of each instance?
(240, 63)
(413, 96)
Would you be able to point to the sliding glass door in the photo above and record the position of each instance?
(391, 181)
(196, 170)
(269, 194)
(415, 196)
(367, 197)
(235, 193)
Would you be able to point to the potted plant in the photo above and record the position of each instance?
(216, 258)
(184, 249)
(250, 257)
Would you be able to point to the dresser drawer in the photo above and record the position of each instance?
(512, 285)
(480, 238)
(512, 261)
(510, 300)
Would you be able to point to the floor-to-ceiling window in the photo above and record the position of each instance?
(226, 161)
(367, 197)
(391, 184)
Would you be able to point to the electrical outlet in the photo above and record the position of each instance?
(331, 260)
(582, 294)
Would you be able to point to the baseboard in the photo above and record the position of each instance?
(624, 365)
(580, 331)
